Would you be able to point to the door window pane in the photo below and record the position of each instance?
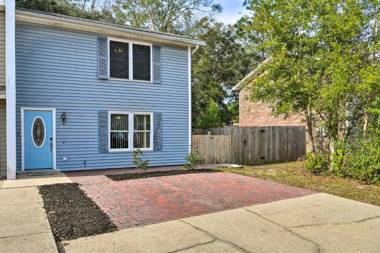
(38, 132)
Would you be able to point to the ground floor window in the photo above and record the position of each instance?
(141, 131)
(128, 131)
(119, 131)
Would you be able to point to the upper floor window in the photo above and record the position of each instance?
(129, 60)
(141, 62)
(119, 59)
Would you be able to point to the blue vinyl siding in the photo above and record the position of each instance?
(58, 69)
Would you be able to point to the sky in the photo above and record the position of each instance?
(232, 11)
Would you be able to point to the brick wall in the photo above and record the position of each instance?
(259, 114)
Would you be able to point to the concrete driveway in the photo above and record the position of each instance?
(314, 223)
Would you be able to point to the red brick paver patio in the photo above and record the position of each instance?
(140, 202)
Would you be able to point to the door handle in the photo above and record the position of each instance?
(51, 144)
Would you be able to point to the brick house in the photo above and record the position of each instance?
(258, 113)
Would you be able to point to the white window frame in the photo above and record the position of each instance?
(131, 131)
(130, 59)
(109, 133)
(151, 130)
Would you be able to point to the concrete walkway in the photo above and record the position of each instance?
(314, 223)
(24, 226)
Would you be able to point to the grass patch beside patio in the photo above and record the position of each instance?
(294, 174)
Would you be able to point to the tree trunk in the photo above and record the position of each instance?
(309, 124)
(365, 126)
(331, 152)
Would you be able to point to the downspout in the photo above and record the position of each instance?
(195, 50)
(10, 74)
(189, 53)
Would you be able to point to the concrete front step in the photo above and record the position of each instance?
(27, 180)
(37, 173)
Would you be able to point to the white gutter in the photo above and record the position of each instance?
(10, 74)
(196, 49)
(104, 28)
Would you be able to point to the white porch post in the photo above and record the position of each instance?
(10, 74)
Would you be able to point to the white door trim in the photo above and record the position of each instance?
(23, 109)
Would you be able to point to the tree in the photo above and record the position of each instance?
(217, 67)
(176, 16)
(77, 8)
(324, 62)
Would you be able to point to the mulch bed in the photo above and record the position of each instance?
(130, 176)
(72, 214)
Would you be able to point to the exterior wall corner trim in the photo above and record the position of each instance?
(10, 63)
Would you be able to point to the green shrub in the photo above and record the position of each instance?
(316, 163)
(193, 160)
(141, 164)
(359, 160)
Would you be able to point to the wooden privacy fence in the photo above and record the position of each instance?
(250, 145)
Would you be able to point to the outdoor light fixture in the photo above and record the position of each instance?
(63, 117)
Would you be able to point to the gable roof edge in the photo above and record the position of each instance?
(99, 27)
(251, 75)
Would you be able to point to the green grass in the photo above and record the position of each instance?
(294, 174)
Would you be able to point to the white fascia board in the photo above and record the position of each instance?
(112, 30)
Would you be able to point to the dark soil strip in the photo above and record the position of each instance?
(72, 214)
(129, 176)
